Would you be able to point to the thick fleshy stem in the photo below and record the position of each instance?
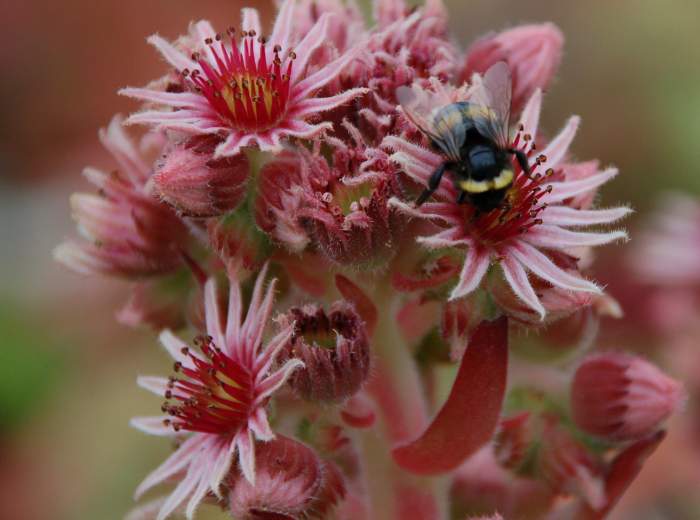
(397, 389)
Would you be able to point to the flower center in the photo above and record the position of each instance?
(320, 329)
(521, 205)
(247, 92)
(216, 395)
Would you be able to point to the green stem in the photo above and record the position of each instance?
(402, 410)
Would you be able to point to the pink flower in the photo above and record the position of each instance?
(285, 184)
(219, 396)
(410, 45)
(533, 53)
(127, 232)
(194, 183)
(250, 90)
(622, 397)
(292, 482)
(334, 348)
(667, 252)
(339, 205)
(532, 224)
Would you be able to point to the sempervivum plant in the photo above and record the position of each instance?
(319, 305)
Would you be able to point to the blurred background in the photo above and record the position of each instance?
(67, 370)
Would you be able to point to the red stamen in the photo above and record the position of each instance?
(248, 95)
(216, 397)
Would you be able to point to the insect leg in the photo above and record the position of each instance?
(462, 197)
(433, 184)
(522, 160)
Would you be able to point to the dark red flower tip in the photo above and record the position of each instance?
(334, 348)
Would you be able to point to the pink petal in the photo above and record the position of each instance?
(566, 216)
(152, 425)
(172, 55)
(174, 346)
(173, 99)
(543, 267)
(283, 26)
(445, 238)
(558, 147)
(212, 313)
(233, 320)
(173, 464)
(254, 316)
(304, 130)
(155, 384)
(321, 104)
(567, 189)
(275, 380)
(475, 266)
(260, 426)
(250, 20)
(147, 511)
(554, 237)
(233, 144)
(530, 116)
(363, 304)
(517, 279)
(115, 139)
(323, 76)
(246, 454)
(470, 415)
(313, 39)
(182, 491)
(221, 467)
(208, 460)
(254, 330)
(202, 30)
(265, 360)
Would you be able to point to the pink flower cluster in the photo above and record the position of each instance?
(267, 214)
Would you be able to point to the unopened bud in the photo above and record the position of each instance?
(291, 481)
(621, 397)
(533, 53)
(191, 180)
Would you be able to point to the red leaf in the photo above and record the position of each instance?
(470, 415)
(363, 304)
(623, 470)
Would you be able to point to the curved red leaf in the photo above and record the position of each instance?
(623, 470)
(363, 304)
(470, 415)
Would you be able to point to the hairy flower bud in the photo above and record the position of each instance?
(533, 53)
(291, 482)
(334, 348)
(127, 232)
(621, 397)
(195, 183)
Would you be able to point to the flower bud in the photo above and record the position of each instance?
(191, 180)
(513, 439)
(622, 397)
(533, 53)
(568, 467)
(334, 348)
(291, 482)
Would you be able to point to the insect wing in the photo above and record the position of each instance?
(421, 107)
(493, 93)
